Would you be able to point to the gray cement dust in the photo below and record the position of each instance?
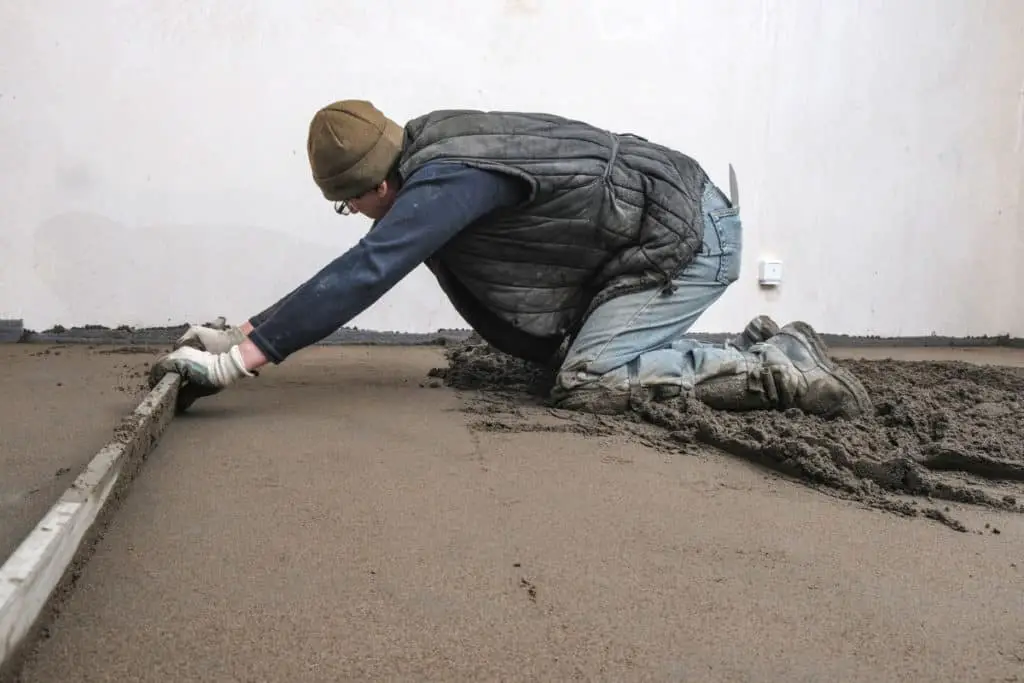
(941, 431)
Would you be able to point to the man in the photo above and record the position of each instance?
(557, 241)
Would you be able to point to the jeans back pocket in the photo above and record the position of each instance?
(723, 240)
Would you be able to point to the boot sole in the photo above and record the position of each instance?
(844, 376)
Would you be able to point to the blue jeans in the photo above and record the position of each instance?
(640, 339)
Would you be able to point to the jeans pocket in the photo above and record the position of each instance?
(726, 228)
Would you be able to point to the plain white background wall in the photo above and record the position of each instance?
(153, 167)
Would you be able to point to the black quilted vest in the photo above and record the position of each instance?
(608, 214)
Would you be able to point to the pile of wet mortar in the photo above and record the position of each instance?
(947, 430)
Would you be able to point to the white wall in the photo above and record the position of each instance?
(153, 170)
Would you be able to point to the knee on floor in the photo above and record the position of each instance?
(579, 377)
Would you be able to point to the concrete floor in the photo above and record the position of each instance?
(58, 407)
(332, 520)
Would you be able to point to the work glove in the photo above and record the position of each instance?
(210, 339)
(202, 373)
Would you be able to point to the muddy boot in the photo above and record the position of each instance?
(760, 329)
(790, 370)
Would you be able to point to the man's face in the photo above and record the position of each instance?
(373, 204)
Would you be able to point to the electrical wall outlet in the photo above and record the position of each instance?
(769, 273)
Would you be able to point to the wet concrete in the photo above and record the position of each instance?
(58, 406)
(341, 518)
(947, 425)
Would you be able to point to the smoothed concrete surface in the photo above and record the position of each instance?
(58, 406)
(332, 520)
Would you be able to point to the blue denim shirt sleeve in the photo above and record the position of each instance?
(433, 206)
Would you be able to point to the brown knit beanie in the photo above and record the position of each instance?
(351, 148)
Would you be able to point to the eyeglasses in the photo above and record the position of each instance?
(342, 208)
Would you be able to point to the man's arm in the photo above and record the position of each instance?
(434, 205)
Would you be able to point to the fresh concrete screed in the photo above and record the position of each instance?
(42, 565)
(340, 519)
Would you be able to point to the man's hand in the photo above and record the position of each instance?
(202, 373)
(210, 339)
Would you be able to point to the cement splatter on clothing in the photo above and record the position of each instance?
(949, 431)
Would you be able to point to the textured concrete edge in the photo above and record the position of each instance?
(40, 572)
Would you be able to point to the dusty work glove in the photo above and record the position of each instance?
(202, 373)
(210, 339)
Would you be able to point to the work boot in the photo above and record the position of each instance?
(792, 369)
(759, 329)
